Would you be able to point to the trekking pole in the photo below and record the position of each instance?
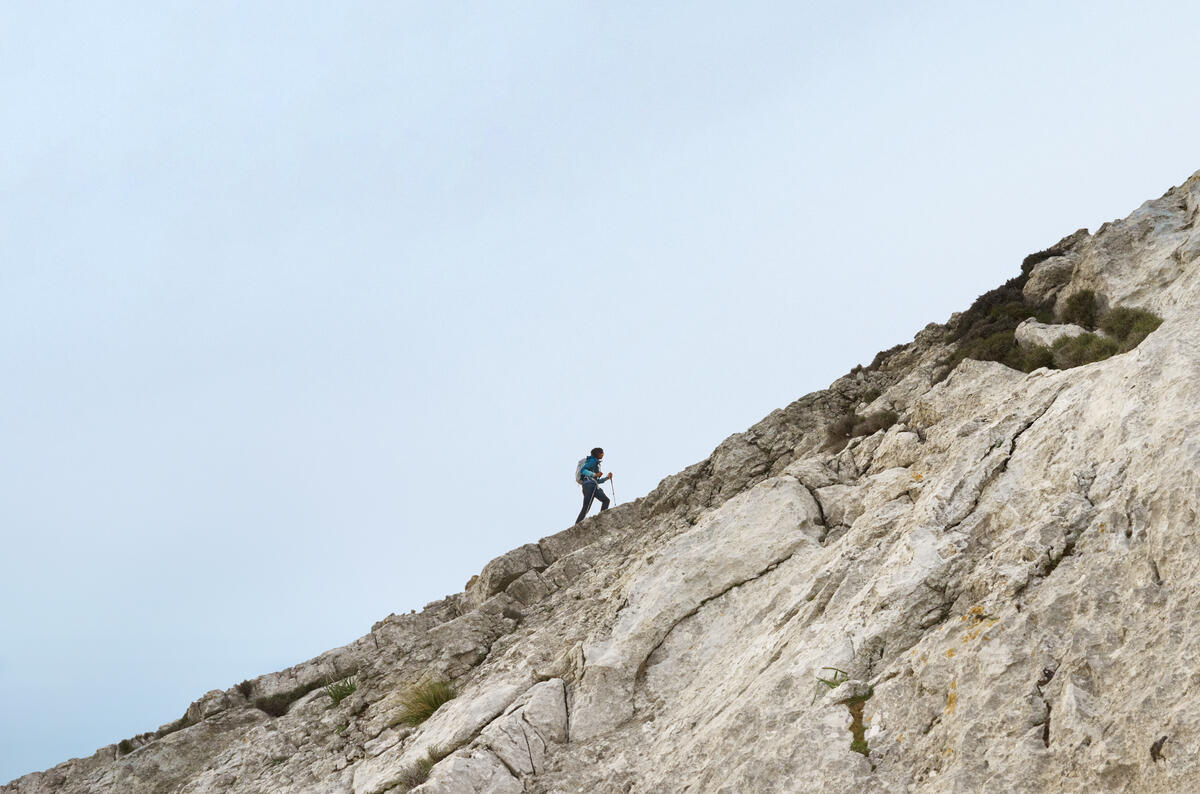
(612, 485)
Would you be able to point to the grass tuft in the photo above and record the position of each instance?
(340, 690)
(420, 700)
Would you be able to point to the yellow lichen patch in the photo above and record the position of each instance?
(951, 698)
(978, 629)
(917, 477)
(975, 618)
(950, 653)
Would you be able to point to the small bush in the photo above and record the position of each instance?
(245, 688)
(882, 357)
(871, 423)
(839, 432)
(420, 700)
(1075, 351)
(1038, 357)
(1081, 309)
(1129, 326)
(1003, 348)
(340, 690)
(852, 425)
(1001, 309)
(177, 725)
(125, 747)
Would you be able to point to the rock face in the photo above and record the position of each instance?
(996, 593)
(1032, 334)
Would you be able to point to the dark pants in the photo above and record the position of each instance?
(592, 490)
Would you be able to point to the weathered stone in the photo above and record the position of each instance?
(1008, 574)
(529, 588)
(1049, 277)
(470, 772)
(1031, 333)
(500, 572)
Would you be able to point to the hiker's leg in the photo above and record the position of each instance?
(603, 497)
(589, 489)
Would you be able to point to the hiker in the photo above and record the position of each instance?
(587, 474)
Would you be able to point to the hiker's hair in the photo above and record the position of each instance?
(597, 451)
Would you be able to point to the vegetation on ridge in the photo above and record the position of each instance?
(987, 331)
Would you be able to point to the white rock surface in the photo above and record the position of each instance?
(1031, 333)
(1010, 572)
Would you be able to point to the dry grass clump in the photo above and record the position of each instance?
(419, 701)
(852, 425)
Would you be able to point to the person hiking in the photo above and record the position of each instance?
(588, 475)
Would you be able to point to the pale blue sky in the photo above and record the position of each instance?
(306, 309)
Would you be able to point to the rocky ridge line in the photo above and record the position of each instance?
(1003, 570)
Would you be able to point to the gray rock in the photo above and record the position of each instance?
(1031, 333)
(1009, 573)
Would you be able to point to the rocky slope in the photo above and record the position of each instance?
(997, 589)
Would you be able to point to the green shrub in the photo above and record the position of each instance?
(340, 690)
(1129, 326)
(420, 700)
(1001, 309)
(1038, 357)
(1075, 351)
(125, 747)
(1081, 309)
(1003, 348)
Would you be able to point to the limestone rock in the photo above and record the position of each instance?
(1005, 580)
(1032, 333)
